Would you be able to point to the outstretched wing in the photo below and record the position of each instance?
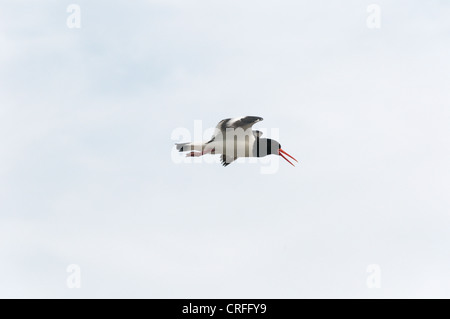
(244, 122)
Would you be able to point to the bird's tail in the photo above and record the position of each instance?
(185, 147)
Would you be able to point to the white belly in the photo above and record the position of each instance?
(240, 146)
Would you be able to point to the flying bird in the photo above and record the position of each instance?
(234, 138)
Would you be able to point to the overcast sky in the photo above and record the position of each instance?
(87, 175)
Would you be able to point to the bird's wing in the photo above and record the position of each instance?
(226, 160)
(244, 122)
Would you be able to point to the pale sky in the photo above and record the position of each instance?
(87, 175)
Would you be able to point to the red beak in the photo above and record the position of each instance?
(281, 152)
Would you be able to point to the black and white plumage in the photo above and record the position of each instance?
(234, 138)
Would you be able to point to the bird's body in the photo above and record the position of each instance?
(234, 138)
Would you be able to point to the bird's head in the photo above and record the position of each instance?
(267, 146)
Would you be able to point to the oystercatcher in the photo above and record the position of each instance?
(234, 138)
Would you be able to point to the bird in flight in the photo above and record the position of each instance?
(234, 138)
